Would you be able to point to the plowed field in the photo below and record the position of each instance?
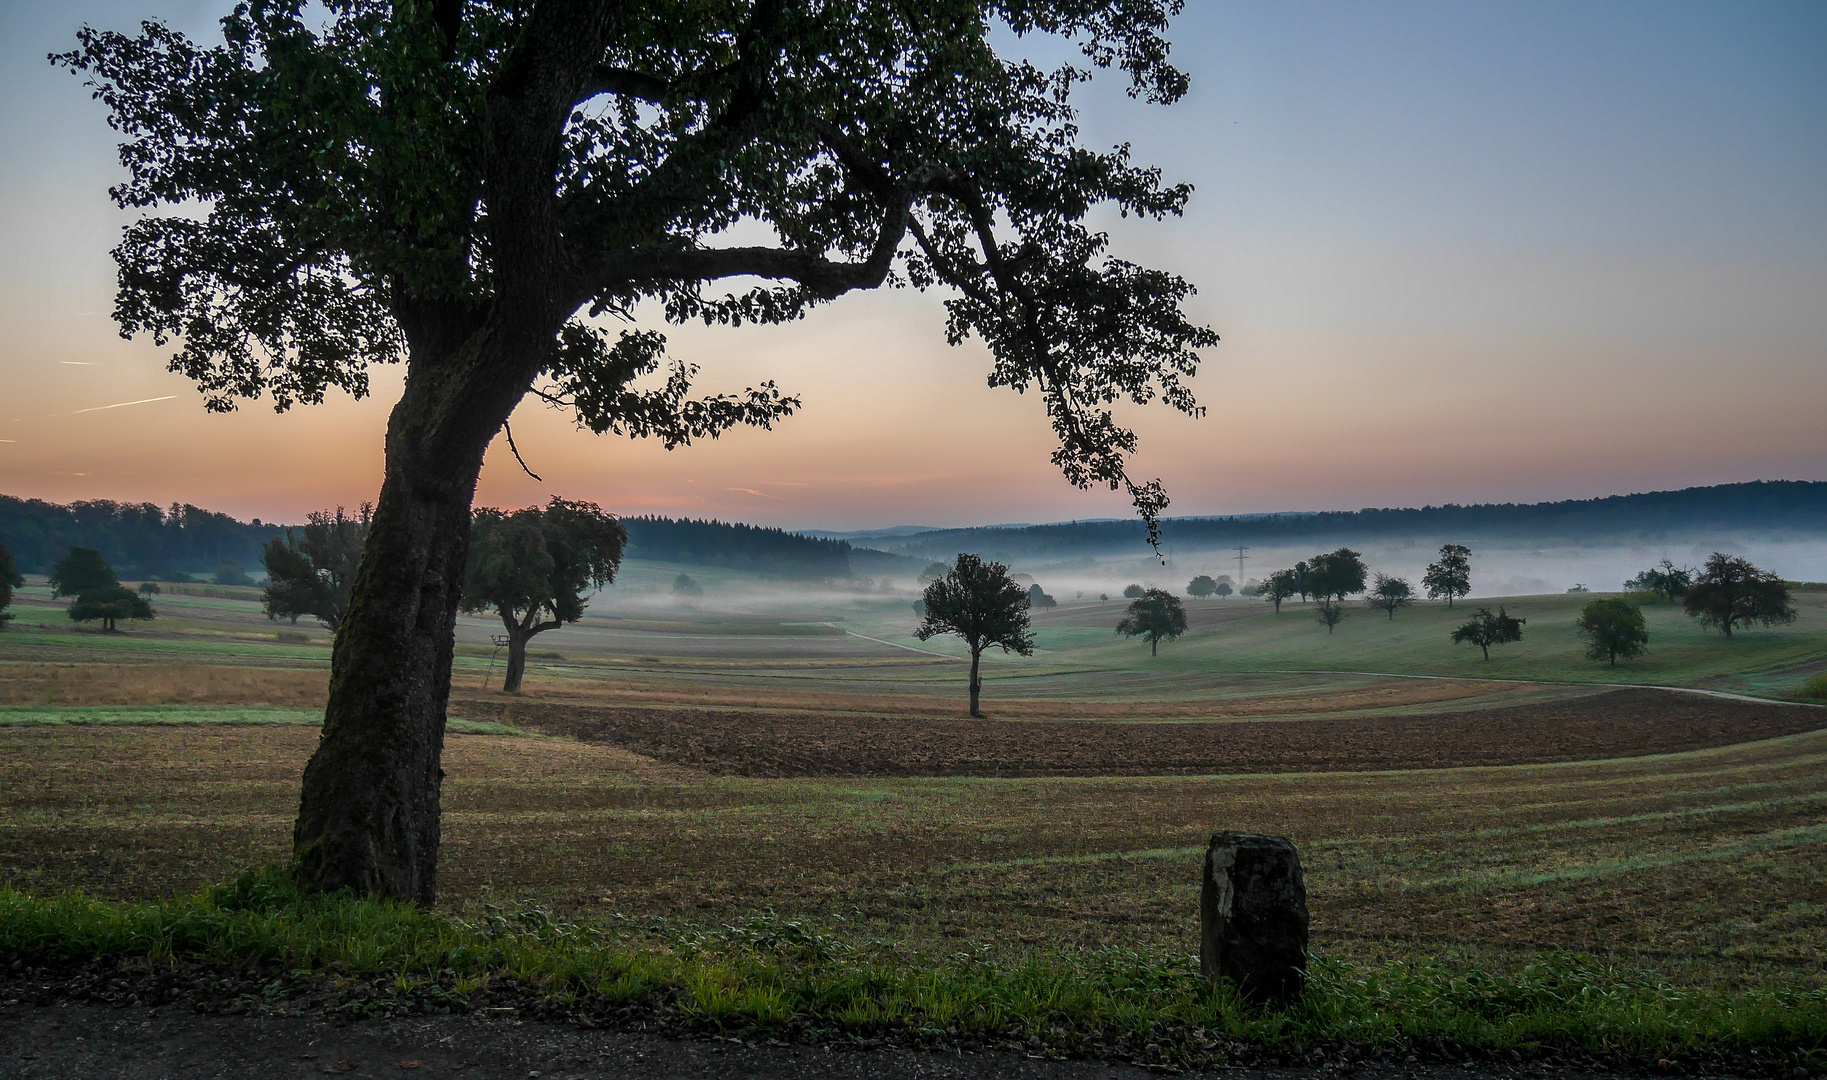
(1618, 723)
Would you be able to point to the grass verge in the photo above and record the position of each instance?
(777, 977)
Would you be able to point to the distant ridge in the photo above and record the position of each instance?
(1783, 506)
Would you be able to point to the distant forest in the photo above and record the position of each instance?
(137, 539)
(737, 546)
(142, 539)
(1776, 506)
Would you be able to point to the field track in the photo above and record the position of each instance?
(1617, 723)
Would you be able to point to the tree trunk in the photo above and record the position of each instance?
(368, 815)
(517, 636)
(1486, 649)
(1154, 646)
(976, 684)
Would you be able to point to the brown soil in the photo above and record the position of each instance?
(1619, 723)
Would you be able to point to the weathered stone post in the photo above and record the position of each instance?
(1253, 916)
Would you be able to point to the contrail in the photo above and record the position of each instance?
(124, 404)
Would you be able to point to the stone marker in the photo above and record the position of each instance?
(1253, 916)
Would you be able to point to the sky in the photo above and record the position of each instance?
(1455, 252)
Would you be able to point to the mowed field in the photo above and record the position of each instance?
(698, 766)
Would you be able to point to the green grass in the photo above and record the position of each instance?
(764, 973)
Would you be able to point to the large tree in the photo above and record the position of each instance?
(1450, 575)
(314, 573)
(472, 187)
(1156, 615)
(536, 569)
(982, 604)
(1731, 592)
(10, 579)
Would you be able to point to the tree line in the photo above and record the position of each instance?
(141, 538)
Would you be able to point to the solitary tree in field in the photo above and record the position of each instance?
(1201, 586)
(1450, 575)
(10, 579)
(314, 573)
(536, 569)
(1389, 594)
(1332, 577)
(1485, 630)
(1731, 592)
(1133, 592)
(686, 586)
(982, 604)
(229, 572)
(1038, 597)
(1614, 628)
(1223, 589)
(1277, 587)
(1666, 579)
(467, 186)
(98, 595)
(1156, 615)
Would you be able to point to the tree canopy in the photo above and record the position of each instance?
(983, 605)
(1614, 629)
(1202, 586)
(314, 572)
(1450, 575)
(1040, 598)
(1731, 592)
(1485, 630)
(535, 568)
(1156, 615)
(1277, 587)
(82, 570)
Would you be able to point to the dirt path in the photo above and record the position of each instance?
(89, 1043)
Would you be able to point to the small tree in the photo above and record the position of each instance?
(229, 572)
(1329, 614)
(1037, 597)
(1485, 630)
(1223, 590)
(536, 568)
(1132, 592)
(109, 605)
(10, 579)
(1450, 575)
(1664, 579)
(1301, 579)
(150, 588)
(980, 603)
(1155, 615)
(1278, 587)
(313, 573)
(686, 586)
(1202, 586)
(1731, 592)
(1389, 594)
(1614, 628)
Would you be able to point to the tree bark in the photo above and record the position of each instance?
(976, 683)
